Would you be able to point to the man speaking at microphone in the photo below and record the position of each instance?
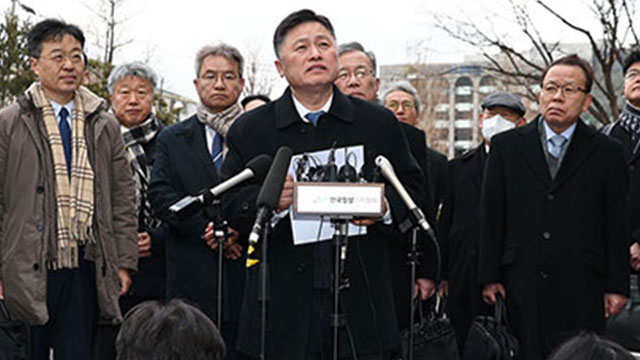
(312, 115)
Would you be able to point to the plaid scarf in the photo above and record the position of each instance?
(134, 139)
(74, 195)
(630, 121)
(220, 122)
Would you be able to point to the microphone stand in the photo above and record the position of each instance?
(412, 223)
(262, 293)
(340, 281)
(221, 234)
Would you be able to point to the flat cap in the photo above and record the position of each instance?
(506, 99)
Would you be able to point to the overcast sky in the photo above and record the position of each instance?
(168, 33)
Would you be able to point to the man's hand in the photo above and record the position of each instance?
(212, 241)
(232, 251)
(286, 196)
(490, 290)
(1, 291)
(125, 280)
(427, 288)
(634, 251)
(371, 220)
(144, 245)
(613, 303)
(443, 289)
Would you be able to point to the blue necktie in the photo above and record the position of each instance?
(557, 143)
(216, 151)
(65, 133)
(314, 116)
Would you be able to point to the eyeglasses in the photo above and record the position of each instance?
(406, 105)
(224, 77)
(360, 74)
(631, 74)
(58, 57)
(568, 90)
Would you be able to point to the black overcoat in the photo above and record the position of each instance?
(183, 166)
(558, 245)
(368, 303)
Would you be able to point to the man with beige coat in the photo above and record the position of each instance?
(67, 214)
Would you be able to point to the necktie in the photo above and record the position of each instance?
(557, 143)
(216, 151)
(65, 133)
(314, 116)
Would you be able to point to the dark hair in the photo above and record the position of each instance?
(632, 58)
(50, 29)
(294, 19)
(249, 98)
(588, 346)
(573, 60)
(168, 331)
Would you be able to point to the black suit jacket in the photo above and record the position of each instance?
(368, 303)
(556, 244)
(183, 166)
(439, 178)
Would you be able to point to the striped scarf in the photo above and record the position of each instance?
(134, 139)
(220, 122)
(74, 195)
(630, 121)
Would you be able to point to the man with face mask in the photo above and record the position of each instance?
(501, 111)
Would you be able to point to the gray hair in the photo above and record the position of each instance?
(132, 69)
(356, 46)
(224, 50)
(404, 86)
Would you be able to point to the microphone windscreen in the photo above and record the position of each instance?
(272, 187)
(259, 165)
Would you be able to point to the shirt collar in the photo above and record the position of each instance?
(57, 107)
(302, 110)
(549, 133)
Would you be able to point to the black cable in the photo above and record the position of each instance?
(371, 304)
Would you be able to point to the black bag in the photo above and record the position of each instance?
(624, 327)
(434, 337)
(490, 338)
(15, 337)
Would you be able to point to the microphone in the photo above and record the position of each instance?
(270, 191)
(190, 205)
(390, 174)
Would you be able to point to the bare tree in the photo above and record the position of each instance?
(111, 21)
(256, 77)
(522, 68)
(15, 73)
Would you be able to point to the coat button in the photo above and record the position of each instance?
(550, 197)
(40, 227)
(632, 167)
(546, 235)
(544, 275)
(40, 189)
(245, 206)
(36, 266)
(301, 267)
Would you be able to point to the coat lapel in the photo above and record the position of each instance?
(580, 148)
(531, 149)
(476, 168)
(195, 140)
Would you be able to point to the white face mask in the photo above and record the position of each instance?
(495, 125)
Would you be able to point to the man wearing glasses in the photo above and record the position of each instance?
(554, 239)
(357, 77)
(187, 161)
(627, 131)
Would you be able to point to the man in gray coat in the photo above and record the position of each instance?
(67, 214)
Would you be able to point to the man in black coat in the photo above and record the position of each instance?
(554, 229)
(299, 299)
(459, 223)
(132, 87)
(188, 158)
(357, 77)
(627, 131)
